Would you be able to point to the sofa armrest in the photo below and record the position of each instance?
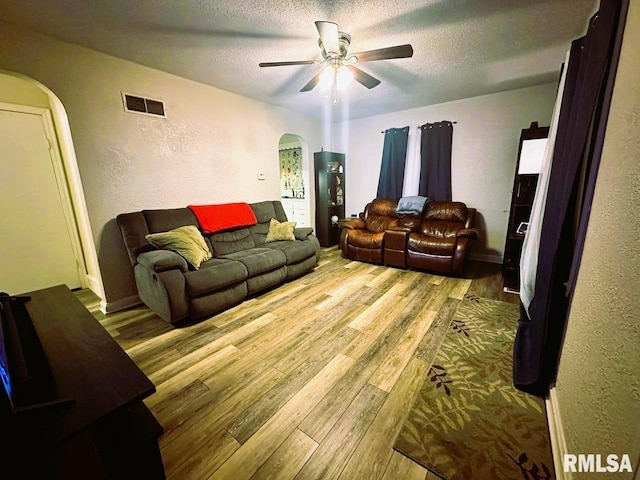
(354, 224)
(471, 233)
(162, 260)
(301, 233)
(399, 228)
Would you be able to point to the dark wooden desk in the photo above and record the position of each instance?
(106, 432)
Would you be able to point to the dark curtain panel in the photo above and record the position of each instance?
(581, 127)
(394, 154)
(435, 160)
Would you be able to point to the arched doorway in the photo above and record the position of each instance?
(31, 109)
(293, 157)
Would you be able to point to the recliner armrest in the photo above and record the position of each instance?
(399, 228)
(301, 233)
(162, 260)
(471, 233)
(354, 224)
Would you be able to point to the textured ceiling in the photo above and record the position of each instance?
(462, 48)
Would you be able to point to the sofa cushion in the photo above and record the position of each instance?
(383, 206)
(294, 251)
(213, 275)
(366, 239)
(265, 211)
(381, 215)
(434, 245)
(224, 243)
(259, 260)
(133, 227)
(168, 219)
(259, 233)
(452, 211)
(380, 223)
(440, 228)
(187, 241)
(280, 231)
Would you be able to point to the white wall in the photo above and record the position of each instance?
(598, 384)
(208, 150)
(17, 91)
(484, 151)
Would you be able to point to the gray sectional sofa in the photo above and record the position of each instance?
(243, 262)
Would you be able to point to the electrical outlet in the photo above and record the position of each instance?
(261, 176)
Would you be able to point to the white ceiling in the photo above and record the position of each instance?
(462, 48)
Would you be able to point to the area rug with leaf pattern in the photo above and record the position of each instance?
(468, 421)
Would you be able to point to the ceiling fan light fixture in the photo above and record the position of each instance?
(326, 78)
(339, 68)
(344, 76)
(334, 76)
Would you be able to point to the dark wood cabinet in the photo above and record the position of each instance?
(330, 195)
(95, 424)
(530, 152)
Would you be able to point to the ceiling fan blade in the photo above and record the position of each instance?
(312, 83)
(329, 35)
(280, 64)
(364, 78)
(400, 51)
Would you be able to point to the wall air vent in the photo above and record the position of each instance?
(146, 106)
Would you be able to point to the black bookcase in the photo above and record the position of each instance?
(525, 183)
(330, 195)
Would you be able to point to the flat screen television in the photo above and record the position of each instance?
(27, 380)
(5, 376)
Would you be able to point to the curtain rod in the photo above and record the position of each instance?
(383, 131)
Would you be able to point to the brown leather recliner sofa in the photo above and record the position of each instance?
(438, 239)
(363, 238)
(442, 241)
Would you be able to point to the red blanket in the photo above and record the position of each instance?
(216, 218)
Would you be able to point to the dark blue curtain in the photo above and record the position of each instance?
(581, 129)
(435, 160)
(394, 155)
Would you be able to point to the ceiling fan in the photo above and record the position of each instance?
(335, 45)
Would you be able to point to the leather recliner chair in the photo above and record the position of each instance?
(442, 241)
(363, 239)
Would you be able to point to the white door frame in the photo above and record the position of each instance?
(61, 183)
(73, 186)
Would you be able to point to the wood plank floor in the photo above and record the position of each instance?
(310, 380)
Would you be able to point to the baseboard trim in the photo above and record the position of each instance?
(556, 434)
(485, 257)
(120, 304)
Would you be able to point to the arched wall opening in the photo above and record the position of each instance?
(22, 90)
(296, 187)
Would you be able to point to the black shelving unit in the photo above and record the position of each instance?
(522, 195)
(330, 195)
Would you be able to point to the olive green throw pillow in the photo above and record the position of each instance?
(280, 231)
(186, 241)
